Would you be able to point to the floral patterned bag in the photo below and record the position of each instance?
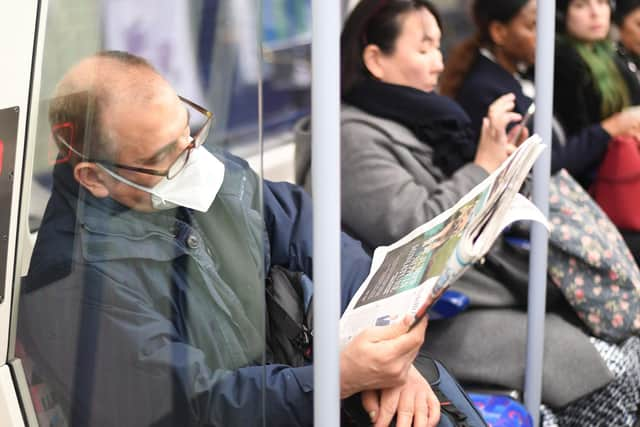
(590, 262)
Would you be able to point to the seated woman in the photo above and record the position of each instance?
(407, 152)
(495, 61)
(590, 85)
(627, 19)
(408, 155)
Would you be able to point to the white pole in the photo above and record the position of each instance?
(325, 136)
(539, 236)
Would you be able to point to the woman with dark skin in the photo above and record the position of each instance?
(503, 45)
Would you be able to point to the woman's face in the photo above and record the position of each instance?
(519, 43)
(630, 31)
(416, 60)
(588, 20)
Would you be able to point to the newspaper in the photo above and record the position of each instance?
(409, 275)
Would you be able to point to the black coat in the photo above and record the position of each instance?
(630, 60)
(485, 82)
(576, 99)
(580, 152)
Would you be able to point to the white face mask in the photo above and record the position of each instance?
(195, 187)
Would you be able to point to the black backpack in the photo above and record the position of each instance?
(289, 324)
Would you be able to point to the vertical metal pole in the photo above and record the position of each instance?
(539, 237)
(260, 59)
(325, 174)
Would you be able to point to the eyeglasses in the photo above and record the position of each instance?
(179, 163)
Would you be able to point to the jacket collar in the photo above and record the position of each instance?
(435, 120)
(108, 229)
(394, 130)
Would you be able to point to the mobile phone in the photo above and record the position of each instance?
(525, 120)
(529, 114)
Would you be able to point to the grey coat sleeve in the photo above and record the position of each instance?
(381, 199)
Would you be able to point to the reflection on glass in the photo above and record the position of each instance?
(211, 55)
(141, 312)
(134, 313)
(209, 52)
(144, 300)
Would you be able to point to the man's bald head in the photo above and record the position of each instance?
(104, 81)
(123, 114)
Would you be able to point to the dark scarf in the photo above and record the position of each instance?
(434, 119)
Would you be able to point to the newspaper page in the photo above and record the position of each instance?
(408, 276)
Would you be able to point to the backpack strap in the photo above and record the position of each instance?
(446, 405)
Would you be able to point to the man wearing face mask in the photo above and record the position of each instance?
(144, 302)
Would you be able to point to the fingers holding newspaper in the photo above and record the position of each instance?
(414, 403)
(380, 356)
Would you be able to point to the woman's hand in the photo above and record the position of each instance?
(626, 122)
(380, 357)
(413, 403)
(517, 135)
(494, 145)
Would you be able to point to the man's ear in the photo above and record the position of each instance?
(91, 177)
(497, 32)
(373, 60)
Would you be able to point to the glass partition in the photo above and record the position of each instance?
(143, 300)
(133, 311)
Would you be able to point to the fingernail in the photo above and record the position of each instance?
(372, 415)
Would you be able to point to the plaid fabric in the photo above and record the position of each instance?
(615, 405)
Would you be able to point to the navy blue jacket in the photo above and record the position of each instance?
(158, 318)
(486, 81)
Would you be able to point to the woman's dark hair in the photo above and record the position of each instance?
(375, 22)
(561, 15)
(623, 8)
(563, 5)
(483, 12)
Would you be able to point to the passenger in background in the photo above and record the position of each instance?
(627, 18)
(498, 59)
(490, 62)
(590, 84)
